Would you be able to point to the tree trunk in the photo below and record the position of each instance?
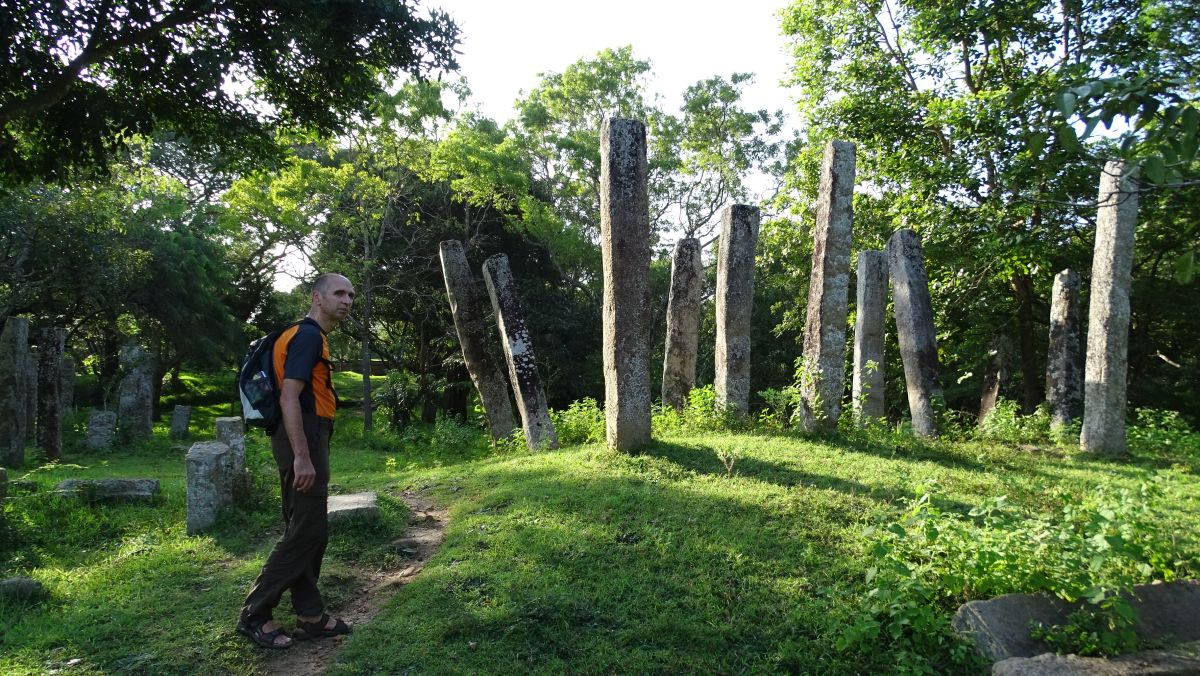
(1031, 375)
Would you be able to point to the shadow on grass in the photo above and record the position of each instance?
(704, 460)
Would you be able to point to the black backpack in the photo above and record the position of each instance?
(256, 383)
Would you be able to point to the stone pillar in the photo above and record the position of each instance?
(66, 385)
(735, 299)
(49, 398)
(231, 432)
(683, 323)
(1064, 361)
(181, 419)
(867, 389)
(29, 375)
(995, 375)
(824, 367)
(14, 350)
(3, 490)
(135, 406)
(1108, 314)
(102, 429)
(518, 351)
(625, 250)
(467, 307)
(914, 329)
(209, 483)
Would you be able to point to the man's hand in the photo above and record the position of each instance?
(305, 474)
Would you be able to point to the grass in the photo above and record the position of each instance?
(709, 552)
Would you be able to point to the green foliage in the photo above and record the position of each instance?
(703, 413)
(1090, 548)
(581, 423)
(780, 407)
(1006, 424)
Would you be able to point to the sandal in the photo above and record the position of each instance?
(253, 630)
(310, 630)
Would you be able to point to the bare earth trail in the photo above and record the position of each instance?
(422, 537)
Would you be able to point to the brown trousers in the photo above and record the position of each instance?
(295, 562)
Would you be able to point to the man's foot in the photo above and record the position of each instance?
(264, 634)
(319, 627)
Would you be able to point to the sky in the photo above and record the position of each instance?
(506, 43)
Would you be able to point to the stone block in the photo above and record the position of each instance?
(355, 505)
(21, 588)
(232, 433)
(210, 482)
(111, 490)
(102, 429)
(181, 419)
(1182, 661)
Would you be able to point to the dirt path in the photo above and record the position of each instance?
(422, 539)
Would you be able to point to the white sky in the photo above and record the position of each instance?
(506, 43)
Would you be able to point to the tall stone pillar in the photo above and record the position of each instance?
(518, 351)
(66, 384)
(914, 329)
(14, 350)
(683, 323)
(29, 379)
(735, 300)
(135, 394)
(1064, 361)
(49, 395)
(467, 307)
(1108, 314)
(995, 375)
(870, 317)
(828, 293)
(625, 249)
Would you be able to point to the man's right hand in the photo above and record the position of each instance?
(305, 474)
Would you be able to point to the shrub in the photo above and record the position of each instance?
(701, 414)
(1005, 423)
(581, 423)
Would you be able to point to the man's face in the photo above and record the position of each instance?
(335, 300)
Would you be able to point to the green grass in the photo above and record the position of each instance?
(575, 560)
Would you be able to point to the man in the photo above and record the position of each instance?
(301, 449)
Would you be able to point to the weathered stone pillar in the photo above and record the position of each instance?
(231, 432)
(181, 419)
(66, 385)
(1064, 361)
(1108, 314)
(914, 329)
(995, 375)
(49, 395)
(102, 429)
(14, 350)
(467, 307)
(683, 323)
(867, 389)
(29, 374)
(735, 300)
(625, 249)
(824, 367)
(135, 406)
(209, 483)
(518, 351)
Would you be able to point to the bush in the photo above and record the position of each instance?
(1005, 423)
(581, 423)
(701, 414)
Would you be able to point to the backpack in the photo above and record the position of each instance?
(256, 383)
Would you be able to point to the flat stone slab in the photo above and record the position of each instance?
(1182, 660)
(353, 506)
(1167, 614)
(20, 588)
(104, 490)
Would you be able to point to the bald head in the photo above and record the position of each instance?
(332, 296)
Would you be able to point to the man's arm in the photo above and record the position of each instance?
(293, 424)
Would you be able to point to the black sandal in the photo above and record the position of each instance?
(310, 630)
(253, 630)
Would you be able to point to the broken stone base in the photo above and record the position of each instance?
(1182, 660)
(21, 588)
(107, 490)
(353, 506)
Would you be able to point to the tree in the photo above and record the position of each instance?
(81, 77)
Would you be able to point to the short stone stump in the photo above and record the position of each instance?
(111, 490)
(353, 506)
(21, 588)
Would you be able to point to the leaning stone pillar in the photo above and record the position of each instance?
(49, 397)
(1064, 373)
(232, 432)
(625, 249)
(518, 351)
(683, 323)
(135, 406)
(828, 293)
(914, 329)
(467, 307)
(995, 375)
(870, 316)
(14, 349)
(1108, 314)
(735, 300)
